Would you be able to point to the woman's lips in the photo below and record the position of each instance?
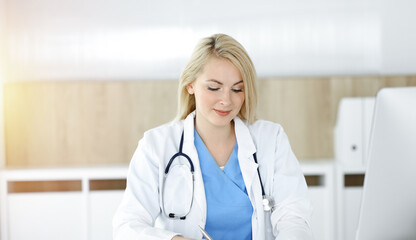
(222, 113)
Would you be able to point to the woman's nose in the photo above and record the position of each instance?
(226, 98)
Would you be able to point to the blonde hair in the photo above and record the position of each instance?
(223, 46)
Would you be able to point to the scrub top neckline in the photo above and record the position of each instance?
(201, 145)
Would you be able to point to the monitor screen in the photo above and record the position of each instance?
(388, 207)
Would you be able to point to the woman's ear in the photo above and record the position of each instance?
(190, 88)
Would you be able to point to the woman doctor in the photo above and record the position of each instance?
(215, 167)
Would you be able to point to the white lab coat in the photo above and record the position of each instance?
(139, 215)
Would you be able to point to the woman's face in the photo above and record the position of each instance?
(219, 93)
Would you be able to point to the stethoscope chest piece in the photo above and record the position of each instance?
(268, 203)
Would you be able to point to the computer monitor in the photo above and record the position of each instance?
(388, 207)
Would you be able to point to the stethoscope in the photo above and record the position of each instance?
(268, 201)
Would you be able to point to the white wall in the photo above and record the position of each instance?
(399, 36)
(137, 39)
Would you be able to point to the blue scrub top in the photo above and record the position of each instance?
(229, 209)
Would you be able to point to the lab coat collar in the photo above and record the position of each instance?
(242, 133)
(244, 139)
(246, 146)
(188, 127)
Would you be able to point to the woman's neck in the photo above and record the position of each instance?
(213, 134)
(219, 140)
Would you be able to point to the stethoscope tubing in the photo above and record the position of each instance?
(178, 154)
(192, 169)
(270, 200)
(263, 193)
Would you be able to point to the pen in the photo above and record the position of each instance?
(206, 235)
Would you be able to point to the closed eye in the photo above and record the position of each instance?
(237, 90)
(212, 88)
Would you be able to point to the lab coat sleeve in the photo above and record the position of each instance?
(135, 217)
(290, 219)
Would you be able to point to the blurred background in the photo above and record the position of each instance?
(81, 80)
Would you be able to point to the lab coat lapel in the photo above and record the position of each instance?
(246, 149)
(190, 150)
